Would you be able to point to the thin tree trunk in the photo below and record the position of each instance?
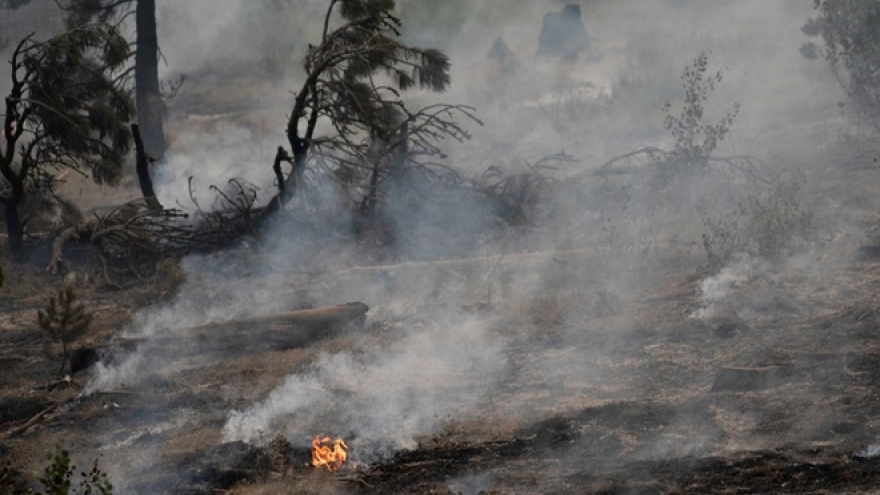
(143, 171)
(14, 227)
(368, 206)
(63, 356)
(284, 191)
(151, 108)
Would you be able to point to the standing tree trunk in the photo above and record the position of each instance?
(150, 107)
(142, 167)
(14, 227)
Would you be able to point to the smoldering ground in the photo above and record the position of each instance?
(438, 365)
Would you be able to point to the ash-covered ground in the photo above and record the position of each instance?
(618, 325)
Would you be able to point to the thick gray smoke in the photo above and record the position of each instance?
(605, 103)
(383, 397)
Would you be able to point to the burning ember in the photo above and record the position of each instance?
(323, 455)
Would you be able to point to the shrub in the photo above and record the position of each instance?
(59, 477)
(8, 483)
(695, 139)
(770, 226)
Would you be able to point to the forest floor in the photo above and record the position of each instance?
(768, 386)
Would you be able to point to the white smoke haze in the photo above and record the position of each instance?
(648, 44)
(212, 159)
(714, 291)
(205, 297)
(42, 19)
(382, 398)
(242, 58)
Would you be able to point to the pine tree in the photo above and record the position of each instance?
(64, 110)
(145, 71)
(64, 320)
(340, 87)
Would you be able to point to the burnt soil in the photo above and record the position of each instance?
(597, 398)
(653, 423)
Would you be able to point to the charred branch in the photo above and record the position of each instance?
(637, 160)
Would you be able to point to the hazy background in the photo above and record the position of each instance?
(242, 57)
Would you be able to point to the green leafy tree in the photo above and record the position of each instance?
(64, 110)
(850, 30)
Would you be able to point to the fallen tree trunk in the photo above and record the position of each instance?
(470, 264)
(280, 331)
(482, 279)
(245, 336)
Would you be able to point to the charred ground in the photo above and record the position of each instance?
(643, 413)
(584, 340)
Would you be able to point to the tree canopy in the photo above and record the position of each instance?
(354, 77)
(64, 110)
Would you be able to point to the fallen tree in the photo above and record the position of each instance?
(641, 158)
(247, 335)
(475, 265)
(136, 236)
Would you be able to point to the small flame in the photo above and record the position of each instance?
(323, 455)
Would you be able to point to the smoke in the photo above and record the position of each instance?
(382, 398)
(206, 296)
(387, 396)
(869, 451)
(40, 18)
(244, 153)
(715, 291)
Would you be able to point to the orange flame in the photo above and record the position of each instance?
(323, 455)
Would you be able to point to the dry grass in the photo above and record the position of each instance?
(473, 430)
(317, 482)
(190, 440)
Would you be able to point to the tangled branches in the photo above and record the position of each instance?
(670, 162)
(132, 237)
(513, 197)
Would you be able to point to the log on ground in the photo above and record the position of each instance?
(247, 335)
